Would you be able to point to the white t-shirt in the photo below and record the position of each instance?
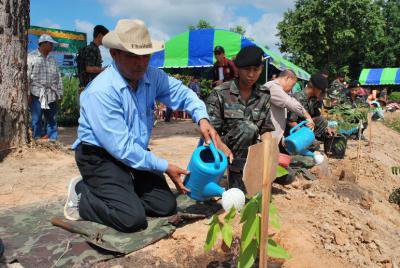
(221, 73)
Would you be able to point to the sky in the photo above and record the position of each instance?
(165, 18)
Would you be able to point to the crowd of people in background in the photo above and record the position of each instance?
(237, 113)
(46, 87)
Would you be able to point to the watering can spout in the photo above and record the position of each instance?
(307, 153)
(213, 189)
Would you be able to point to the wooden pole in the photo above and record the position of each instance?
(269, 174)
(358, 151)
(370, 133)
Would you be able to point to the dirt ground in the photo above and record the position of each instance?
(339, 220)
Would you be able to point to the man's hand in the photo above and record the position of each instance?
(310, 123)
(210, 134)
(331, 132)
(219, 82)
(175, 173)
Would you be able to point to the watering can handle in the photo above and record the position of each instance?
(214, 151)
(298, 126)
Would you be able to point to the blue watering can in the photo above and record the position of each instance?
(207, 166)
(300, 138)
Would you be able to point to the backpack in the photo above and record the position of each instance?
(81, 66)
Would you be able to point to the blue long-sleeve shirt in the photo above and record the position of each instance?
(120, 120)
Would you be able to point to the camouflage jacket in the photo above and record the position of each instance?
(227, 110)
(336, 90)
(92, 57)
(358, 101)
(312, 105)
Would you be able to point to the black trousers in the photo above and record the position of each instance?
(118, 196)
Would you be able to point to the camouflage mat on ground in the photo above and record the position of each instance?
(31, 239)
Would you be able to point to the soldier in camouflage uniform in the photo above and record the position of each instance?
(310, 98)
(240, 111)
(337, 89)
(352, 97)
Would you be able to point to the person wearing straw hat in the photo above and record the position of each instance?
(122, 180)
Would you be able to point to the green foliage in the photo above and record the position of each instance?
(238, 29)
(212, 234)
(390, 51)
(205, 84)
(250, 218)
(337, 33)
(280, 171)
(201, 24)
(396, 170)
(394, 96)
(276, 251)
(393, 124)
(68, 113)
(348, 116)
(248, 255)
(394, 197)
(227, 229)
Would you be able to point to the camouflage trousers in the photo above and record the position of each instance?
(321, 125)
(239, 139)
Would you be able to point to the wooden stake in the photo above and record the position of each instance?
(370, 133)
(269, 174)
(358, 150)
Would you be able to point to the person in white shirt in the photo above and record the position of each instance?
(281, 102)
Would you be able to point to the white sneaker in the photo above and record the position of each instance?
(71, 210)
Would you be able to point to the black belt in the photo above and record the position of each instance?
(88, 148)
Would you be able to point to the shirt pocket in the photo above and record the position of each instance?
(232, 112)
(232, 117)
(258, 116)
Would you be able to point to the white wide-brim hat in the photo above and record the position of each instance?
(132, 36)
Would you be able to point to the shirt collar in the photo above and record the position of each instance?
(120, 82)
(235, 88)
(38, 54)
(93, 44)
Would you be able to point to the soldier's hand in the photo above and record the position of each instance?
(310, 123)
(224, 148)
(176, 173)
(330, 131)
(209, 133)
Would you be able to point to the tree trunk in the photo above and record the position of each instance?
(14, 24)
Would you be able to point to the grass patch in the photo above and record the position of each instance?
(393, 124)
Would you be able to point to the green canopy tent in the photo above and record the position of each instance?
(380, 76)
(195, 49)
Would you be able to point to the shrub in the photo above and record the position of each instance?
(68, 113)
(393, 124)
(395, 96)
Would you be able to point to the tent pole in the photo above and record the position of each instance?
(266, 69)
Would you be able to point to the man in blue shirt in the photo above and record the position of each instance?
(122, 181)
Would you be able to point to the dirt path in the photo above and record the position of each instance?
(325, 223)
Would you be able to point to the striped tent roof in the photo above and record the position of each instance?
(195, 49)
(381, 76)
